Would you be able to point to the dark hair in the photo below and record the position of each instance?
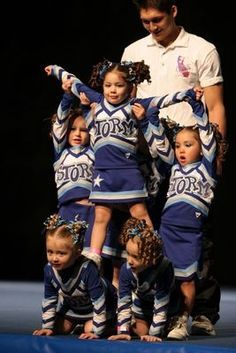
(134, 72)
(161, 5)
(149, 242)
(172, 128)
(73, 114)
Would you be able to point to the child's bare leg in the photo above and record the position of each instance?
(63, 326)
(139, 210)
(140, 327)
(188, 290)
(102, 218)
(116, 272)
(88, 326)
(179, 326)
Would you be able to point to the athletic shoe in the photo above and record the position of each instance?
(202, 326)
(178, 329)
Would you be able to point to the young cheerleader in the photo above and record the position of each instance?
(145, 284)
(191, 191)
(74, 292)
(73, 160)
(73, 166)
(117, 178)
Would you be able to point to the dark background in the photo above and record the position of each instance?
(76, 36)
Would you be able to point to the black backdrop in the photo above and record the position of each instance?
(76, 36)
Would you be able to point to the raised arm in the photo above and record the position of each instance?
(58, 72)
(154, 133)
(160, 101)
(205, 128)
(77, 87)
(60, 126)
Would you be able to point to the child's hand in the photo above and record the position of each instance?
(43, 332)
(84, 99)
(193, 94)
(198, 92)
(88, 336)
(122, 336)
(138, 111)
(66, 85)
(48, 70)
(149, 338)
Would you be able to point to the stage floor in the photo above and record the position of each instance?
(20, 314)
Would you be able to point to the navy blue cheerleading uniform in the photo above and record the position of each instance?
(145, 296)
(73, 167)
(190, 194)
(117, 176)
(80, 294)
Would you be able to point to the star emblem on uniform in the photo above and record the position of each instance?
(97, 181)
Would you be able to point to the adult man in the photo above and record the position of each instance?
(179, 60)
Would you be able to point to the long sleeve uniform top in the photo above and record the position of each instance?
(191, 187)
(114, 127)
(73, 166)
(160, 149)
(138, 291)
(83, 291)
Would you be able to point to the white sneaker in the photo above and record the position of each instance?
(202, 326)
(178, 330)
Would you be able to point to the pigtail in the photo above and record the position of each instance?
(149, 242)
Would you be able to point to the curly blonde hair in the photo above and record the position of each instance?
(148, 241)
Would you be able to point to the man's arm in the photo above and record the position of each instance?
(215, 106)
